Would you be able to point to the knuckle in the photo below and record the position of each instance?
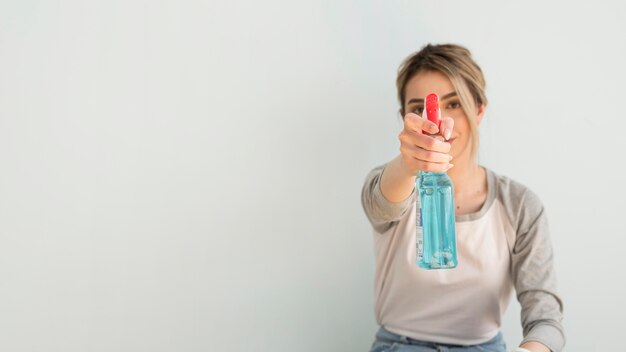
(410, 115)
(431, 143)
(431, 156)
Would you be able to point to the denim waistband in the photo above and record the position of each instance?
(385, 335)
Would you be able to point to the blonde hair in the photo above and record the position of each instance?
(457, 64)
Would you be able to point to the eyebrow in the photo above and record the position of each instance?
(415, 100)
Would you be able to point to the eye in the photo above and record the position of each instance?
(418, 110)
(453, 105)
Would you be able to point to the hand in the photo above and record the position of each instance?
(425, 152)
(532, 346)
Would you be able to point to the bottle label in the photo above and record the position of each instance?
(419, 235)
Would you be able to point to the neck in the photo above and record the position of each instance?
(466, 175)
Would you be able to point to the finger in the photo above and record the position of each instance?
(416, 164)
(425, 155)
(438, 137)
(432, 167)
(447, 124)
(430, 143)
(433, 143)
(415, 123)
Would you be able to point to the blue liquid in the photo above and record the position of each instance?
(436, 231)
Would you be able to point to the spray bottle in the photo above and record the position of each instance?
(436, 231)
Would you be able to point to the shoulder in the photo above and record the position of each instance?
(522, 204)
(376, 171)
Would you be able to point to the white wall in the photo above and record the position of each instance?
(186, 175)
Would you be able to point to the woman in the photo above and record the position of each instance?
(502, 235)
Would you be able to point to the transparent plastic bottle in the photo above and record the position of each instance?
(436, 230)
(436, 233)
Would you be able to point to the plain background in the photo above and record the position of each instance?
(186, 175)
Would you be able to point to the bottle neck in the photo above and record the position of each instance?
(429, 173)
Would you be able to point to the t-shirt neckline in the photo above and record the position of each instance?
(491, 195)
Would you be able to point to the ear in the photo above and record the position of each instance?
(480, 113)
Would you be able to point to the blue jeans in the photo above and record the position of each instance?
(387, 341)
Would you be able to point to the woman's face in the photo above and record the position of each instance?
(426, 82)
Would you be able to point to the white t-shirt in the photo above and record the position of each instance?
(503, 246)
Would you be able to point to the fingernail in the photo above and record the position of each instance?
(449, 157)
(446, 133)
(450, 166)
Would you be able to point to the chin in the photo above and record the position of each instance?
(457, 150)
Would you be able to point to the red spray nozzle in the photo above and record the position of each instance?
(432, 109)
